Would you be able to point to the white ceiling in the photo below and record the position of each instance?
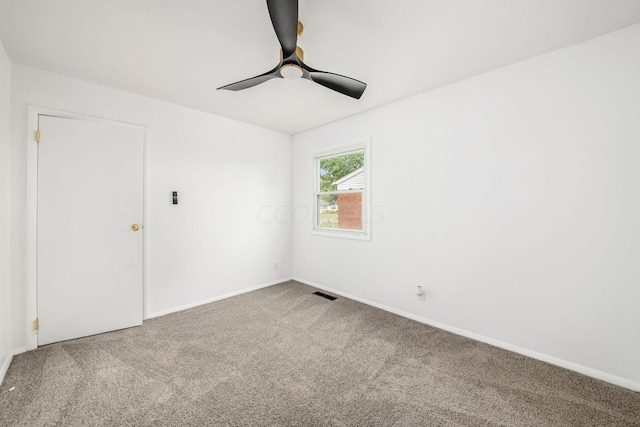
(182, 50)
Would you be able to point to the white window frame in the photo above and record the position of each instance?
(361, 144)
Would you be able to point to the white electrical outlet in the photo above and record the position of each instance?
(276, 266)
(420, 293)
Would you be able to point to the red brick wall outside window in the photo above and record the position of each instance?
(350, 211)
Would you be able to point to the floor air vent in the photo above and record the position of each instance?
(329, 297)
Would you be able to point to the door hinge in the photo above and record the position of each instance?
(37, 136)
(36, 324)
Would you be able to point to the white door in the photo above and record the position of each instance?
(90, 184)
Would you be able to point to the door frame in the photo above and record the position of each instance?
(33, 114)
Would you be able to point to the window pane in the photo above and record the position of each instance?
(344, 172)
(341, 211)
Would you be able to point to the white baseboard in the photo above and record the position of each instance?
(5, 365)
(8, 359)
(19, 350)
(585, 370)
(218, 298)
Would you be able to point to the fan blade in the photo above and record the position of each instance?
(284, 17)
(343, 84)
(253, 81)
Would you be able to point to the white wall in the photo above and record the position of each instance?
(213, 242)
(513, 198)
(5, 320)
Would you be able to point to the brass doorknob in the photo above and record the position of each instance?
(135, 227)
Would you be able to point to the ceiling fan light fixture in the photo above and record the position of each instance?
(291, 71)
(284, 18)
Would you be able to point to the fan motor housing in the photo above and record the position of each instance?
(299, 54)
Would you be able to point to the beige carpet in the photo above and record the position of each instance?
(281, 356)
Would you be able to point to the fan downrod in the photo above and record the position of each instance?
(300, 29)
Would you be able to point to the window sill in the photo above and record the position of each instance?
(341, 234)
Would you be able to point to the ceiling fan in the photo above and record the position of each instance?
(284, 17)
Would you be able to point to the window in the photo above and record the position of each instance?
(341, 194)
